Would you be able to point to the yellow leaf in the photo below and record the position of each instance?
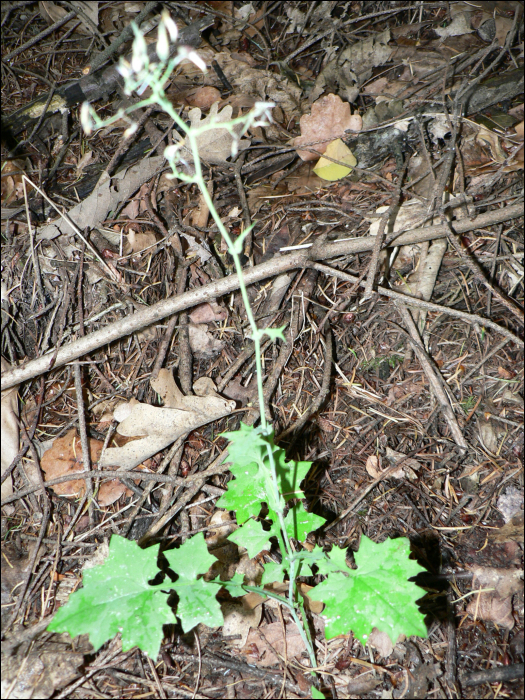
(333, 171)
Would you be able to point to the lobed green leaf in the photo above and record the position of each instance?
(117, 597)
(377, 594)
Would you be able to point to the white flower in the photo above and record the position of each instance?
(170, 25)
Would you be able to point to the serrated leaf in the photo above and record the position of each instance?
(197, 602)
(327, 169)
(336, 561)
(234, 585)
(299, 522)
(253, 538)
(377, 594)
(317, 693)
(248, 452)
(272, 572)
(314, 558)
(116, 597)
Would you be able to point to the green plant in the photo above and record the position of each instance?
(375, 362)
(468, 404)
(118, 596)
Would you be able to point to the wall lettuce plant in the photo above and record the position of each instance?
(119, 596)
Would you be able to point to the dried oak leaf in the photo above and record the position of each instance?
(328, 120)
(215, 145)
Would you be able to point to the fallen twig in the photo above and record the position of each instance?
(218, 288)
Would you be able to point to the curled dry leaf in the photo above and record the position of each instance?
(373, 467)
(328, 120)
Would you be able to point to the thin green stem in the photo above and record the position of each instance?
(238, 268)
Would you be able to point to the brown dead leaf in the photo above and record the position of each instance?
(329, 118)
(141, 241)
(107, 195)
(381, 642)
(205, 313)
(12, 171)
(460, 25)
(253, 83)
(373, 467)
(315, 606)
(203, 344)
(160, 427)
(9, 430)
(199, 216)
(222, 525)
(503, 27)
(408, 467)
(215, 145)
(346, 73)
(52, 13)
(490, 138)
(195, 249)
(511, 531)
(203, 97)
(266, 645)
(495, 605)
(87, 159)
(238, 392)
(65, 457)
(240, 618)
(399, 391)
